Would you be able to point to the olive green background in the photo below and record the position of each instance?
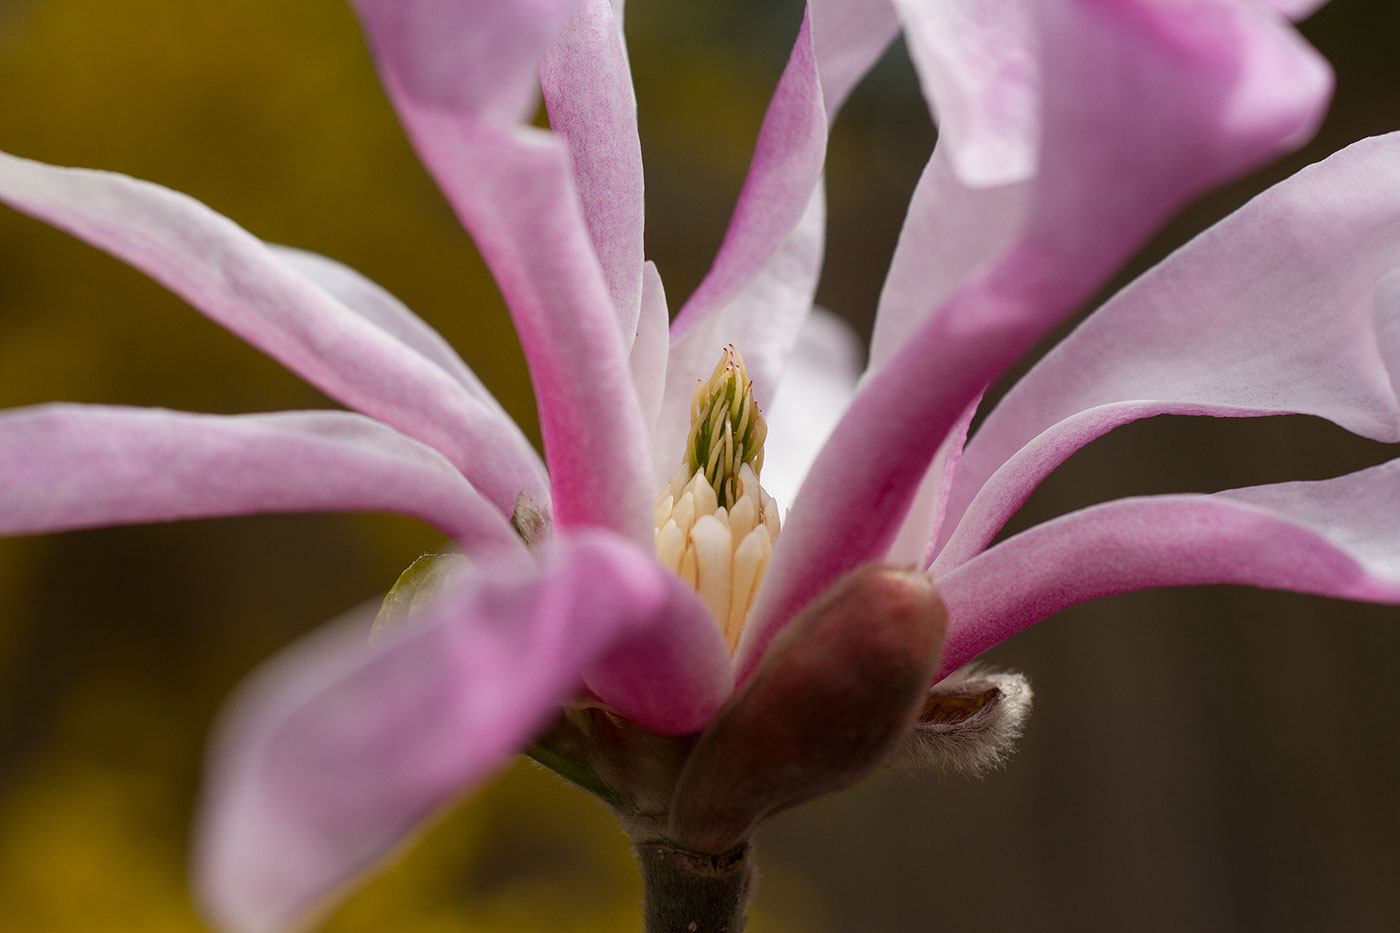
(1207, 759)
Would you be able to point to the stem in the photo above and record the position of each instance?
(687, 892)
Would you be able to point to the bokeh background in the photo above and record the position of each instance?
(1206, 759)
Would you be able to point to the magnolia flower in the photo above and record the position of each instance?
(638, 608)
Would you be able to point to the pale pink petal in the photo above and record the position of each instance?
(848, 38)
(762, 322)
(1336, 537)
(513, 189)
(377, 305)
(952, 233)
(85, 466)
(817, 385)
(231, 276)
(648, 357)
(787, 164)
(477, 58)
(588, 92)
(838, 42)
(1230, 85)
(759, 290)
(979, 65)
(1292, 304)
(337, 750)
(860, 489)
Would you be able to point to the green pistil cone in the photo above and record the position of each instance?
(726, 428)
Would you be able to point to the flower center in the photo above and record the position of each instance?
(715, 525)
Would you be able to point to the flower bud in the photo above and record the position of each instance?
(834, 695)
(415, 590)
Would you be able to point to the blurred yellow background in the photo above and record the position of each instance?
(1205, 759)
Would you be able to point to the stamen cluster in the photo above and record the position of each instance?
(715, 525)
(726, 428)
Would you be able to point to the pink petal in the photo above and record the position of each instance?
(337, 750)
(979, 65)
(837, 43)
(1292, 304)
(588, 92)
(759, 290)
(477, 57)
(85, 466)
(1336, 538)
(1230, 86)
(672, 673)
(787, 164)
(234, 278)
(1296, 9)
(953, 232)
(762, 321)
(513, 189)
(848, 37)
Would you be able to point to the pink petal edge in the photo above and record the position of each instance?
(85, 466)
(1335, 537)
(513, 189)
(237, 281)
(1290, 305)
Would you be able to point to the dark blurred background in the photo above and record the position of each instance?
(1199, 759)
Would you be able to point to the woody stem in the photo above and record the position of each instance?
(688, 892)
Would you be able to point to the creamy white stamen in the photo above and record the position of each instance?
(715, 525)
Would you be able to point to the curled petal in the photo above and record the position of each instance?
(1335, 537)
(84, 466)
(1231, 85)
(338, 749)
(1292, 304)
(952, 233)
(236, 280)
(513, 189)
